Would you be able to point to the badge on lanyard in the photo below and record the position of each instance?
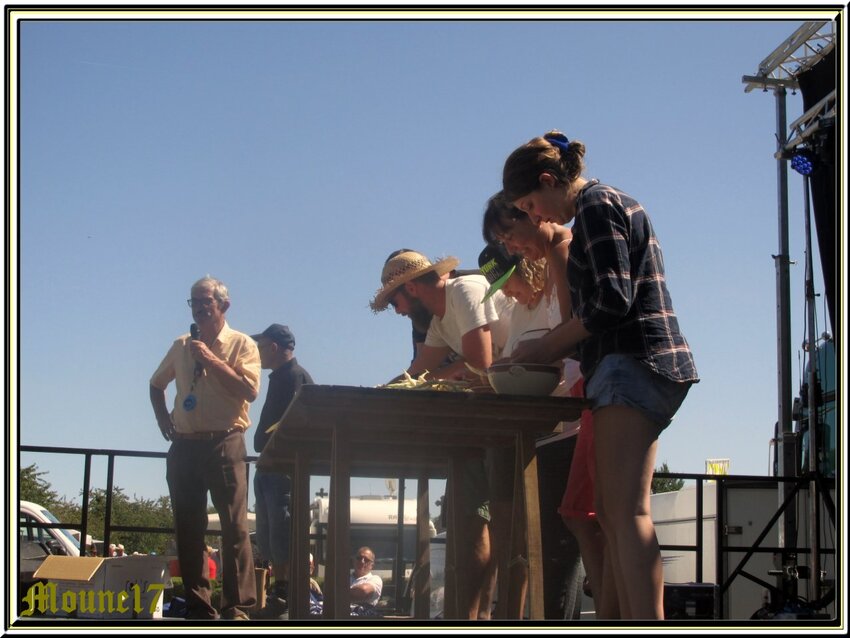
(189, 403)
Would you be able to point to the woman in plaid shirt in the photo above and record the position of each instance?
(637, 365)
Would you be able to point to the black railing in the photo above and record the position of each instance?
(110, 455)
(721, 547)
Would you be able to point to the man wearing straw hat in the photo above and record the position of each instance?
(464, 320)
(459, 322)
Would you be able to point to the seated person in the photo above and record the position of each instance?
(365, 590)
(317, 598)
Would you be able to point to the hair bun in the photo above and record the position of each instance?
(555, 134)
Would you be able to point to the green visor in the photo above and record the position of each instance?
(496, 285)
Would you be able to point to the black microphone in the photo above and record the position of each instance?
(196, 334)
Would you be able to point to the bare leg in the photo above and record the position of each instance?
(626, 444)
(614, 589)
(596, 562)
(478, 581)
(500, 550)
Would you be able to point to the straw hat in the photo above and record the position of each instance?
(405, 267)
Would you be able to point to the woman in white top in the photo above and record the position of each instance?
(549, 243)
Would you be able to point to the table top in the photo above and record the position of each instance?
(426, 419)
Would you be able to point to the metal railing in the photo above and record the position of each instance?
(110, 455)
(722, 549)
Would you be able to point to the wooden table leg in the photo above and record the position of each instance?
(339, 518)
(422, 583)
(532, 521)
(517, 561)
(299, 547)
(451, 607)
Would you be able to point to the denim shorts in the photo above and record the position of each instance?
(272, 493)
(620, 379)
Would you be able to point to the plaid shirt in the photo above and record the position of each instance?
(616, 275)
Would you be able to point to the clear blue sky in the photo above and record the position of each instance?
(289, 158)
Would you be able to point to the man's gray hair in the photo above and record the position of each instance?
(218, 288)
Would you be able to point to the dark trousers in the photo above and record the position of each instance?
(195, 468)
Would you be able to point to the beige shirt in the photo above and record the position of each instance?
(215, 408)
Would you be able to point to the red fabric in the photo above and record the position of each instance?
(578, 496)
(213, 568)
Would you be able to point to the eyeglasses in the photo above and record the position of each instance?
(364, 559)
(206, 303)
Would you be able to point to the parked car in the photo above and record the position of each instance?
(54, 540)
(37, 543)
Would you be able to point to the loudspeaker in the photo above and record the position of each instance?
(690, 601)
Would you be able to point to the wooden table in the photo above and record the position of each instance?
(344, 431)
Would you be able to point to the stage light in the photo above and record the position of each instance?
(803, 161)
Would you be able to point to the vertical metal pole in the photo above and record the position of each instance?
(699, 538)
(107, 514)
(787, 530)
(721, 569)
(814, 401)
(84, 527)
(783, 287)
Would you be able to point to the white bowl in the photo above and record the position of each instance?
(536, 379)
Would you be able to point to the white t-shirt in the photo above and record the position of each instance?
(465, 312)
(376, 583)
(523, 319)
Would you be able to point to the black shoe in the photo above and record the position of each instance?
(275, 609)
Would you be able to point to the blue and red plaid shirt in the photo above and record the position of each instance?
(616, 275)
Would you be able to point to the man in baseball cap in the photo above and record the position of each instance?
(278, 333)
(272, 489)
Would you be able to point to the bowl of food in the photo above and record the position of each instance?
(535, 379)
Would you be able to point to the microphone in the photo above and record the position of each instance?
(195, 332)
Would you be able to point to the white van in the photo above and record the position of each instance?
(54, 540)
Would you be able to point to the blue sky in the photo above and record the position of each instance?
(289, 158)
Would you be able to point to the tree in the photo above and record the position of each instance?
(36, 489)
(131, 513)
(660, 485)
(128, 512)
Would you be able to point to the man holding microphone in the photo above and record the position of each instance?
(217, 374)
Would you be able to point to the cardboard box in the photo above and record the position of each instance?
(94, 587)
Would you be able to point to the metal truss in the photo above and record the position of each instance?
(799, 53)
(820, 116)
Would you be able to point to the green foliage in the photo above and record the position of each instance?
(36, 489)
(136, 512)
(660, 485)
